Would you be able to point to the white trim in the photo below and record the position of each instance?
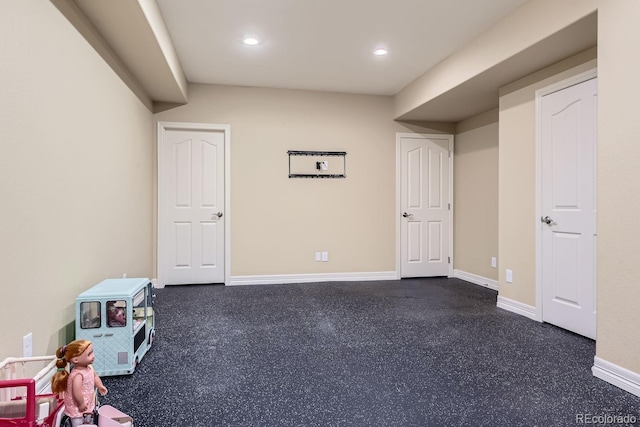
(310, 278)
(571, 81)
(616, 375)
(399, 136)
(517, 307)
(476, 280)
(162, 128)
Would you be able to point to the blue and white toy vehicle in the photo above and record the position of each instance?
(117, 316)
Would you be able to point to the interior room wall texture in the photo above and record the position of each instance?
(532, 22)
(278, 223)
(618, 243)
(476, 195)
(75, 176)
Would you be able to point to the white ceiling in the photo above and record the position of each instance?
(323, 45)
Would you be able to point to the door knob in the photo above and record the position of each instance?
(546, 220)
(407, 215)
(219, 215)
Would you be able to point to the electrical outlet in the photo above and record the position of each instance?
(509, 276)
(318, 256)
(27, 345)
(494, 262)
(325, 256)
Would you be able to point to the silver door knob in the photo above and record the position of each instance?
(219, 215)
(546, 220)
(407, 215)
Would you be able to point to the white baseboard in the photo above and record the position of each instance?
(616, 375)
(475, 279)
(522, 309)
(309, 278)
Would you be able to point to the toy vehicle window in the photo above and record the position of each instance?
(138, 300)
(139, 308)
(90, 315)
(16, 408)
(149, 295)
(116, 314)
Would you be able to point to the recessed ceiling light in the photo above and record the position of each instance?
(380, 51)
(251, 41)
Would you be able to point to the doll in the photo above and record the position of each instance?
(115, 315)
(76, 386)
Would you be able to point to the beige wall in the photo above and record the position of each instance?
(476, 195)
(618, 275)
(75, 176)
(279, 223)
(506, 38)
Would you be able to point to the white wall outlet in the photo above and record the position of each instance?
(509, 276)
(325, 256)
(27, 345)
(318, 256)
(494, 262)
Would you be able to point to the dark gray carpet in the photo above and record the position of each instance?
(418, 352)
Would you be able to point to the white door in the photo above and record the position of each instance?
(425, 223)
(568, 207)
(191, 205)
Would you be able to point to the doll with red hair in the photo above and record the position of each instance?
(76, 385)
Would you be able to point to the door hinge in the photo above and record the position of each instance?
(449, 206)
(449, 154)
(449, 260)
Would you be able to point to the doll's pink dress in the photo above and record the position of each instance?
(70, 405)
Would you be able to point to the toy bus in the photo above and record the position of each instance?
(117, 316)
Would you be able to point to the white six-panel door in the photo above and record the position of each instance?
(191, 206)
(568, 207)
(425, 224)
